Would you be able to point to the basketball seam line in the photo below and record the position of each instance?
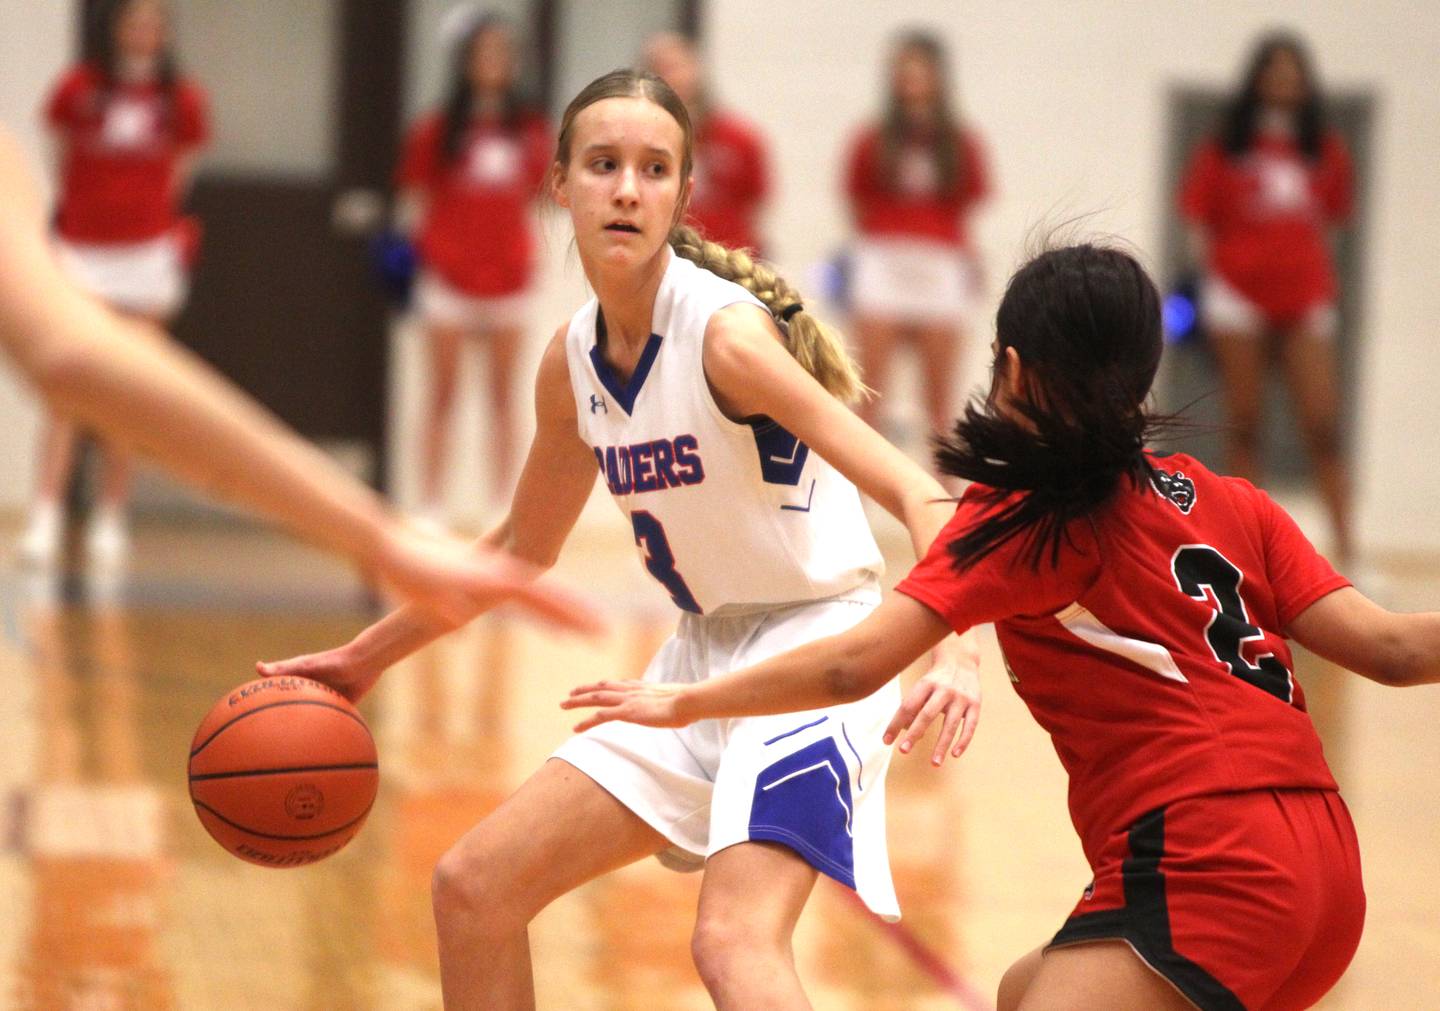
(271, 705)
(284, 838)
(275, 772)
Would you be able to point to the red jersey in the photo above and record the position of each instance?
(1266, 213)
(914, 203)
(120, 145)
(1154, 653)
(476, 233)
(732, 180)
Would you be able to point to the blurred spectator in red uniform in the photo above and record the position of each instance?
(913, 179)
(1261, 196)
(732, 175)
(126, 126)
(470, 174)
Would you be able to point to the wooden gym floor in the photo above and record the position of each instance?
(112, 896)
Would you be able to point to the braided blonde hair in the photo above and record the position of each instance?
(818, 348)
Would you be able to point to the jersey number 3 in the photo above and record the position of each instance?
(1198, 568)
(660, 560)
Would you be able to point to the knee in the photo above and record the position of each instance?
(465, 889)
(721, 945)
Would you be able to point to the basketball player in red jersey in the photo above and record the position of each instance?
(732, 173)
(1142, 603)
(127, 127)
(1261, 197)
(470, 174)
(913, 180)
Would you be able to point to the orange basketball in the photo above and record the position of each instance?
(283, 771)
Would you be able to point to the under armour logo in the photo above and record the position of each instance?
(597, 403)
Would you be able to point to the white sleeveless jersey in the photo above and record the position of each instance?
(727, 515)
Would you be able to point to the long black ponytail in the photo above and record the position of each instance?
(1085, 323)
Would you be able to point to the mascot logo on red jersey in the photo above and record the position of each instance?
(1176, 488)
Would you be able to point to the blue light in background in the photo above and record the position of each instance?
(1178, 313)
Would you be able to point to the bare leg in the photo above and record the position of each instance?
(750, 901)
(1017, 980)
(57, 458)
(1098, 976)
(878, 340)
(1311, 370)
(444, 348)
(559, 830)
(939, 347)
(40, 544)
(503, 345)
(1241, 358)
(116, 474)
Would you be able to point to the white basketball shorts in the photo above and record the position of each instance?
(813, 781)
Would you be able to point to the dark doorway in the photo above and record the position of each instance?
(305, 110)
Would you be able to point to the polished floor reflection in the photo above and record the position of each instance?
(113, 897)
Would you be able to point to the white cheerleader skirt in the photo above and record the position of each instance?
(439, 303)
(143, 278)
(813, 781)
(909, 280)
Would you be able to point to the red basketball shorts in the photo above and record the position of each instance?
(1240, 900)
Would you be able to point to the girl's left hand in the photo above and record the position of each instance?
(950, 688)
(651, 705)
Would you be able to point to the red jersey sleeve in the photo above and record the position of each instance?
(1336, 183)
(420, 158)
(1002, 584)
(1199, 190)
(1298, 574)
(192, 116)
(976, 169)
(753, 182)
(63, 109)
(539, 150)
(860, 174)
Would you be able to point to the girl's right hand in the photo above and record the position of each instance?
(338, 668)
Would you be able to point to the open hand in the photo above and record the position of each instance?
(458, 580)
(334, 667)
(652, 705)
(949, 689)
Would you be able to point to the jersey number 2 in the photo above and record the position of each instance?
(1199, 567)
(660, 560)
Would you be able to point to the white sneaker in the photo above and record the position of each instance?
(40, 544)
(107, 542)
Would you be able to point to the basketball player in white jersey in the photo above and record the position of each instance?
(710, 403)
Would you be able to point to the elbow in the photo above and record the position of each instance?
(1398, 662)
(1397, 669)
(845, 683)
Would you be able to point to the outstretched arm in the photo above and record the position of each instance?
(1347, 628)
(831, 671)
(125, 380)
(554, 485)
(751, 373)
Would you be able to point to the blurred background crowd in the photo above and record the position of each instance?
(341, 205)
